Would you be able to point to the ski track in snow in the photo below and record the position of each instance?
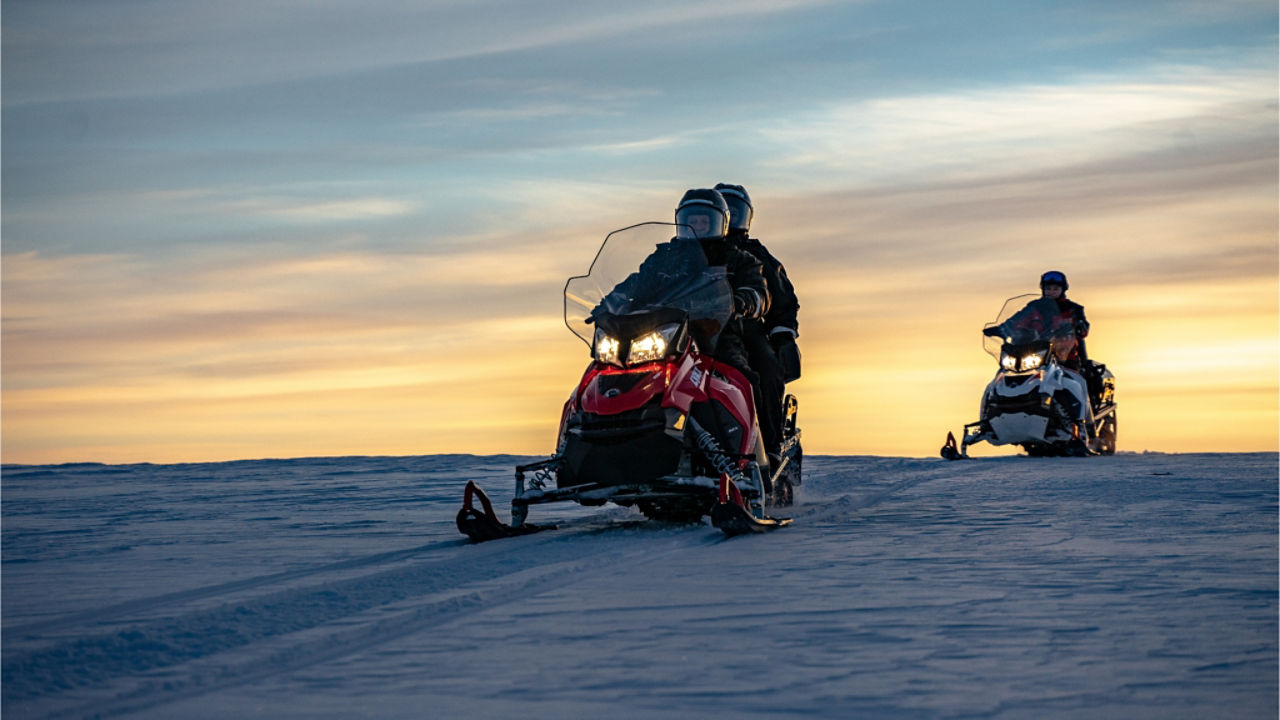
(1132, 586)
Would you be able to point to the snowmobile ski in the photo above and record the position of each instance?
(732, 519)
(951, 451)
(731, 516)
(483, 525)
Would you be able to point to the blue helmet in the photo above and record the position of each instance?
(1054, 277)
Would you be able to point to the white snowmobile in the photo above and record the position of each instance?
(1034, 400)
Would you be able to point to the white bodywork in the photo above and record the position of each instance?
(1012, 428)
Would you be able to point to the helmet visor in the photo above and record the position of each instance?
(1053, 277)
(696, 221)
(739, 211)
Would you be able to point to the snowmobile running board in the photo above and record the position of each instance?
(951, 451)
(731, 516)
(484, 525)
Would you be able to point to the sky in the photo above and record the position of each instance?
(285, 229)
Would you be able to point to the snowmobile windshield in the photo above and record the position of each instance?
(643, 268)
(1026, 319)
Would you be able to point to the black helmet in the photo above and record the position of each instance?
(702, 214)
(740, 210)
(1054, 277)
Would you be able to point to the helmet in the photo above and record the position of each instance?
(1054, 277)
(702, 214)
(740, 210)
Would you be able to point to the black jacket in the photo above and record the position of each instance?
(784, 306)
(745, 271)
(742, 270)
(1051, 317)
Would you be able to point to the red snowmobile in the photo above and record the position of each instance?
(655, 422)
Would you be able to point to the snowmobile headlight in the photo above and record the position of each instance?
(606, 348)
(1023, 362)
(647, 347)
(652, 345)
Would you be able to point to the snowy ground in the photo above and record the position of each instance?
(1136, 586)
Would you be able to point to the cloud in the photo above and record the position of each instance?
(311, 210)
(975, 133)
(94, 316)
(127, 48)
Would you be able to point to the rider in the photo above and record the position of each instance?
(1054, 315)
(770, 342)
(1053, 284)
(703, 217)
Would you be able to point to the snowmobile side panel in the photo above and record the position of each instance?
(739, 404)
(688, 385)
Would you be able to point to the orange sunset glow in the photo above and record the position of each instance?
(384, 277)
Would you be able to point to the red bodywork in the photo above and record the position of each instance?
(683, 381)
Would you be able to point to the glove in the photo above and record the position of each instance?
(784, 345)
(993, 331)
(746, 304)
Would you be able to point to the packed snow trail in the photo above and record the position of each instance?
(1137, 585)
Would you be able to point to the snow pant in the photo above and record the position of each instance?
(769, 385)
(731, 351)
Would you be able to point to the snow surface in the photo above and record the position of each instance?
(1134, 586)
